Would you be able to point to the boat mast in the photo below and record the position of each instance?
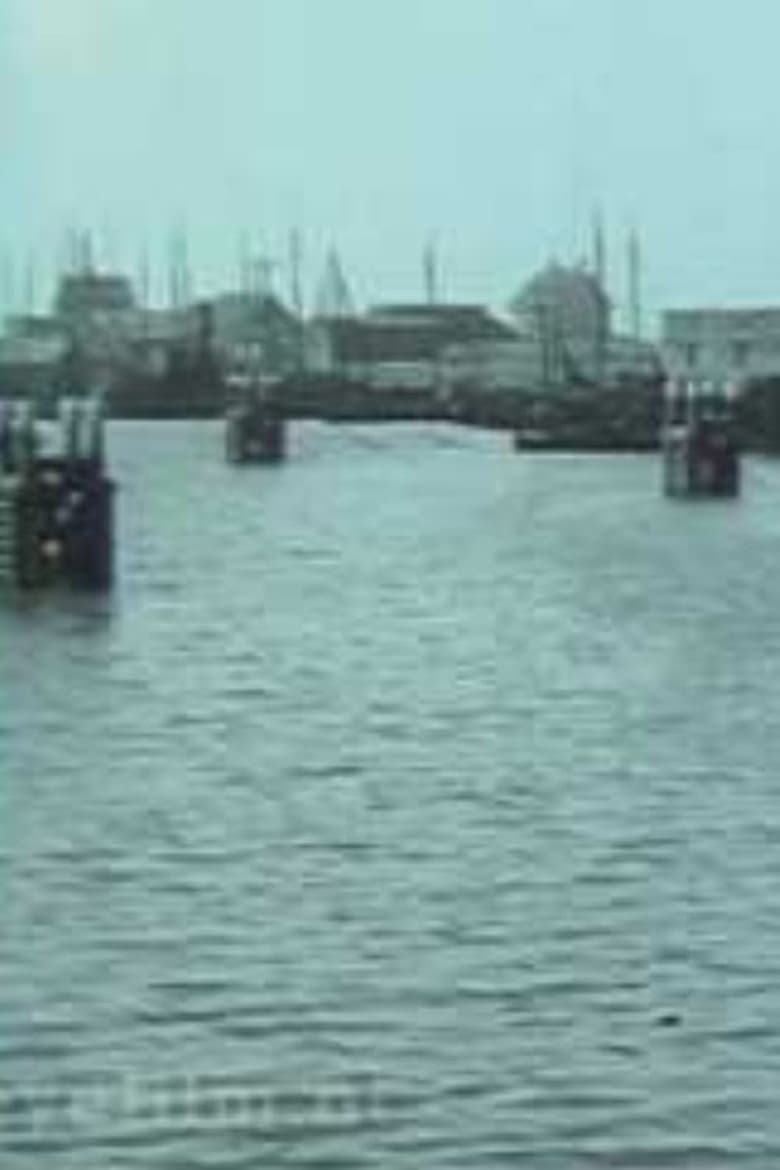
(430, 273)
(600, 273)
(635, 284)
(296, 295)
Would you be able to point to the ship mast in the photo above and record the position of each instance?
(7, 290)
(179, 275)
(635, 284)
(430, 274)
(599, 249)
(600, 273)
(296, 295)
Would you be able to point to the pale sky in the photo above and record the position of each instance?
(495, 126)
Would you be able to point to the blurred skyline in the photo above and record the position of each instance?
(494, 127)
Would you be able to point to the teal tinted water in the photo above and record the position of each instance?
(414, 804)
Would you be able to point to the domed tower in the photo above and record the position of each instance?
(567, 301)
(567, 311)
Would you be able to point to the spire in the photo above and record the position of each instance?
(333, 296)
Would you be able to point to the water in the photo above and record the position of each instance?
(410, 805)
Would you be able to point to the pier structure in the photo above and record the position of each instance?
(255, 425)
(700, 445)
(56, 509)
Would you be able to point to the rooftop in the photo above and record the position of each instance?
(93, 291)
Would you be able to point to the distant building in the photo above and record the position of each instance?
(33, 327)
(255, 331)
(30, 350)
(567, 303)
(93, 295)
(566, 313)
(630, 360)
(444, 321)
(563, 316)
(153, 336)
(500, 365)
(170, 367)
(722, 345)
(400, 345)
(98, 314)
(553, 341)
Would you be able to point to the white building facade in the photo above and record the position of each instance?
(721, 345)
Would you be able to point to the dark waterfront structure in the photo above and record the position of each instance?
(591, 418)
(185, 380)
(731, 345)
(56, 510)
(549, 369)
(758, 415)
(701, 449)
(255, 427)
(579, 418)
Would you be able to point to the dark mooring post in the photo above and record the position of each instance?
(56, 510)
(88, 517)
(256, 428)
(701, 453)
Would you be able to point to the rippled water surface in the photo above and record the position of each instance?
(414, 804)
